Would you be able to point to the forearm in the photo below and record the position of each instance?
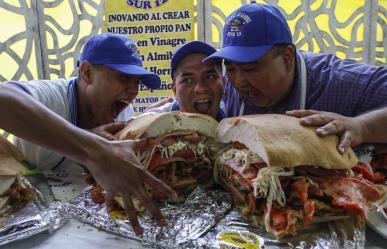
(375, 126)
(26, 118)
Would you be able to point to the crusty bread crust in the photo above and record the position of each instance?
(155, 124)
(10, 158)
(281, 141)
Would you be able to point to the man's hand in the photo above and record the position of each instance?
(113, 164)
(350, 130)
(107, 131)
(120, 173)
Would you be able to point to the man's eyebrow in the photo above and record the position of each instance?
(185, 74)
(126, 76)
(212, 70)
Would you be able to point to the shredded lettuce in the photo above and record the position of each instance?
(244, 157)
(198, 149)
(267, 184)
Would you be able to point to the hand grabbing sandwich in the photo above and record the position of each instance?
(366, 128)
(177, 148)
(112, 163)
(285, 177)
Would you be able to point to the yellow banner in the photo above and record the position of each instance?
(158, 27)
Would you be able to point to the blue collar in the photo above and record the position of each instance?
(220, 115)
(73, 101)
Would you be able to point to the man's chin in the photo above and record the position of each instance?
(261, 103)
(108, 120)
(204, 112)
(213, 115)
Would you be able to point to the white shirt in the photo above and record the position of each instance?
(164, 108)
(59, 96)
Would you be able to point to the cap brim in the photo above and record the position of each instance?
(240, 54)
(190, 48)
(149, 79)
(193, 47)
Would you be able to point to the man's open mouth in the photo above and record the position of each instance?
(119, 106)
(203, 106)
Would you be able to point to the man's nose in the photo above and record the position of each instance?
(132, 89)
(240, 80)
(201, 86)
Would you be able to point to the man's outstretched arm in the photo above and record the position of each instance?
(112, 163)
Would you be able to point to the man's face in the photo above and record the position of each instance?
(265, 82)
(109, 92)
(198, 86)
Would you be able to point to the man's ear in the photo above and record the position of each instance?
(174, 88)
(85, 72)
(288, 56)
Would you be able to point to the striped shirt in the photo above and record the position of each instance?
(60, 96)
(345, 87)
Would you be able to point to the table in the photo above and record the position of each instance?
(75, 234)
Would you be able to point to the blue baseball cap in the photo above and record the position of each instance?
(119, 53)
(187, 49)
(250, 31)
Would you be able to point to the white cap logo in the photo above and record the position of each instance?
(235, 21)
(132, 46)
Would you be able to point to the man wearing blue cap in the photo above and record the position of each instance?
(110, 71)
(198, 86)
(24, 116)
(268, 75)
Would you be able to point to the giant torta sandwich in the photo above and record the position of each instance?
(285, 177)
(13, 195)
(176, 147)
